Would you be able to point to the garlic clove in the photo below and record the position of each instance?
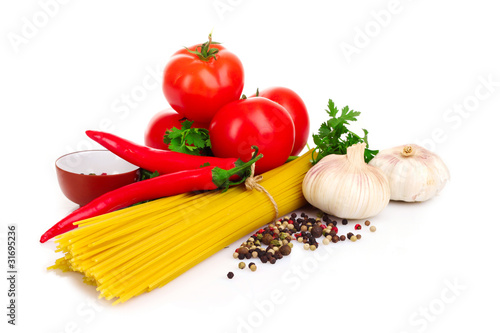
(414, 173)
(346, 187)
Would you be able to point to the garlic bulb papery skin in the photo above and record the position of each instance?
(414, 173)
(345, 186)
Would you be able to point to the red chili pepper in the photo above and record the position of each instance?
(206, 178)
(152, 159)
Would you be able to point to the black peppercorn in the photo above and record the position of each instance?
(344, 221)
(230, 275)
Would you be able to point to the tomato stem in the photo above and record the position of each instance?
(205, 53)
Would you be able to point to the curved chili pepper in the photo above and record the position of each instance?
(206, 178)
(152, 159)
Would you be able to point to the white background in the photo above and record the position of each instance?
(76, 68)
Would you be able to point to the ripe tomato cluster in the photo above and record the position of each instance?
(203, 83)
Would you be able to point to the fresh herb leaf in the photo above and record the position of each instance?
(188, 140)
(146, 174)
(334, 137)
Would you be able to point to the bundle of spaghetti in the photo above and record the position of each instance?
(137, 249)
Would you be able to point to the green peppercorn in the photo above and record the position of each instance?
(274, 242)
(252, 266)
(372, 228)
(235, 255)
(353, 238)
(241, 265)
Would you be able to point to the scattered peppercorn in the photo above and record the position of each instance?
(243, 250)
(274, 241)
(267, 239)
(316, 231)
(285, 250)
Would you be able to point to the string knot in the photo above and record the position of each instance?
(252, 183)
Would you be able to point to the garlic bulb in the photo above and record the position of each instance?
(414, 173)
(345, 186)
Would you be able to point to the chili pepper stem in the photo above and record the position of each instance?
(221, 177)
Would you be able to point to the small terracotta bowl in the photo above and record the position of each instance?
(85, 175)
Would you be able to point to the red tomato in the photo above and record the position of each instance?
(256, 121)
(197, 88)
(297, 110)
(162, 121)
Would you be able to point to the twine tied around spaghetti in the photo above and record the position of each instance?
(252, 183)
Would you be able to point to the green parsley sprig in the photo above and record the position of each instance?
(333, 136)
(188, 140)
